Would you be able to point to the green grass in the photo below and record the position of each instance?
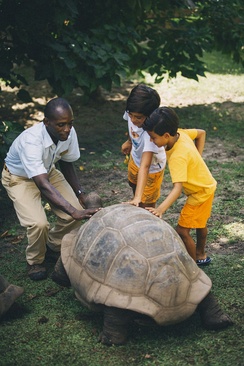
(224, 67)
(48, 326)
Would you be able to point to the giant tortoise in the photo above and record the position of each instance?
(126, 261)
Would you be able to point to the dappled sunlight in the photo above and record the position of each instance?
(235, 230)
(25, 113)
(7, 88)
(231, 238)
(214, 88)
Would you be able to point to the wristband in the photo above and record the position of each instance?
(80, 192)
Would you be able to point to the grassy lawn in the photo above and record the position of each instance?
(48, 326)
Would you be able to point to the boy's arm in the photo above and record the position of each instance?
(200, 140)
(126, 147)
(146, 161)
(169, 200)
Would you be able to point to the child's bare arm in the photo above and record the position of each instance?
(126, 147)
(200, 140)
(169, 200)
(146, 161)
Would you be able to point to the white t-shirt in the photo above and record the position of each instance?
(33, 152)
(141, 143)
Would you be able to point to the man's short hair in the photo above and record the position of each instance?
(53, 105)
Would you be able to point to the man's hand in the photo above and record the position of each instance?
(84, 214)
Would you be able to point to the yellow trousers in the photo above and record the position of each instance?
(27, 202)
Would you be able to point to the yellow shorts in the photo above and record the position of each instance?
(196, 217)
(154, 181)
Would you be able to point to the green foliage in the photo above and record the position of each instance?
(8, 132)
(90, 44)
(48, 326)
(225, 22)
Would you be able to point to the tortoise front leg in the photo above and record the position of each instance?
(115, 326)
(212, 316)
(3, 283)
(8, 297)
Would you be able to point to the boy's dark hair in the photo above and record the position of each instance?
(143, 99)
(53, 104)
(162, 120)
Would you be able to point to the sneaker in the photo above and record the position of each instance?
(37, 272)
(203, 262)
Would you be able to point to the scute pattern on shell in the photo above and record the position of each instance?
(128, 258)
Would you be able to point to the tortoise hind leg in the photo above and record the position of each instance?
(59, 274)
(212, 316)
(115, 326)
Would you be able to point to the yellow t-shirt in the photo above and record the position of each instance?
(188, 167)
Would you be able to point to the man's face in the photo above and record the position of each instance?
(137, 118)
(59, 127)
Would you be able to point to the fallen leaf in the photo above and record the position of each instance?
(31, 297)
(16, 240)
(127, 158)
(51, 292)
(4, 234)
(47, 207)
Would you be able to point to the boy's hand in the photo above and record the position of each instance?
(154, 211)
(134, 202)
(126, 147)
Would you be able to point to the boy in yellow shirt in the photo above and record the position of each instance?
(188, 173)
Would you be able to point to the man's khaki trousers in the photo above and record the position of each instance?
(27, 202)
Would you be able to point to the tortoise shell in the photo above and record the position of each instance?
(126, 257)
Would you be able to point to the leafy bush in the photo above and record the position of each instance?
(8, 132)
(88, 44)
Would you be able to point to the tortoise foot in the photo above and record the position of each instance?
(115, 326)
(212, 316)
(8, 297)
(59, 274)
(109, 339)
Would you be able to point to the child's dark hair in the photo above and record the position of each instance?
(143, 99)
(53, 104)
(162, 120)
